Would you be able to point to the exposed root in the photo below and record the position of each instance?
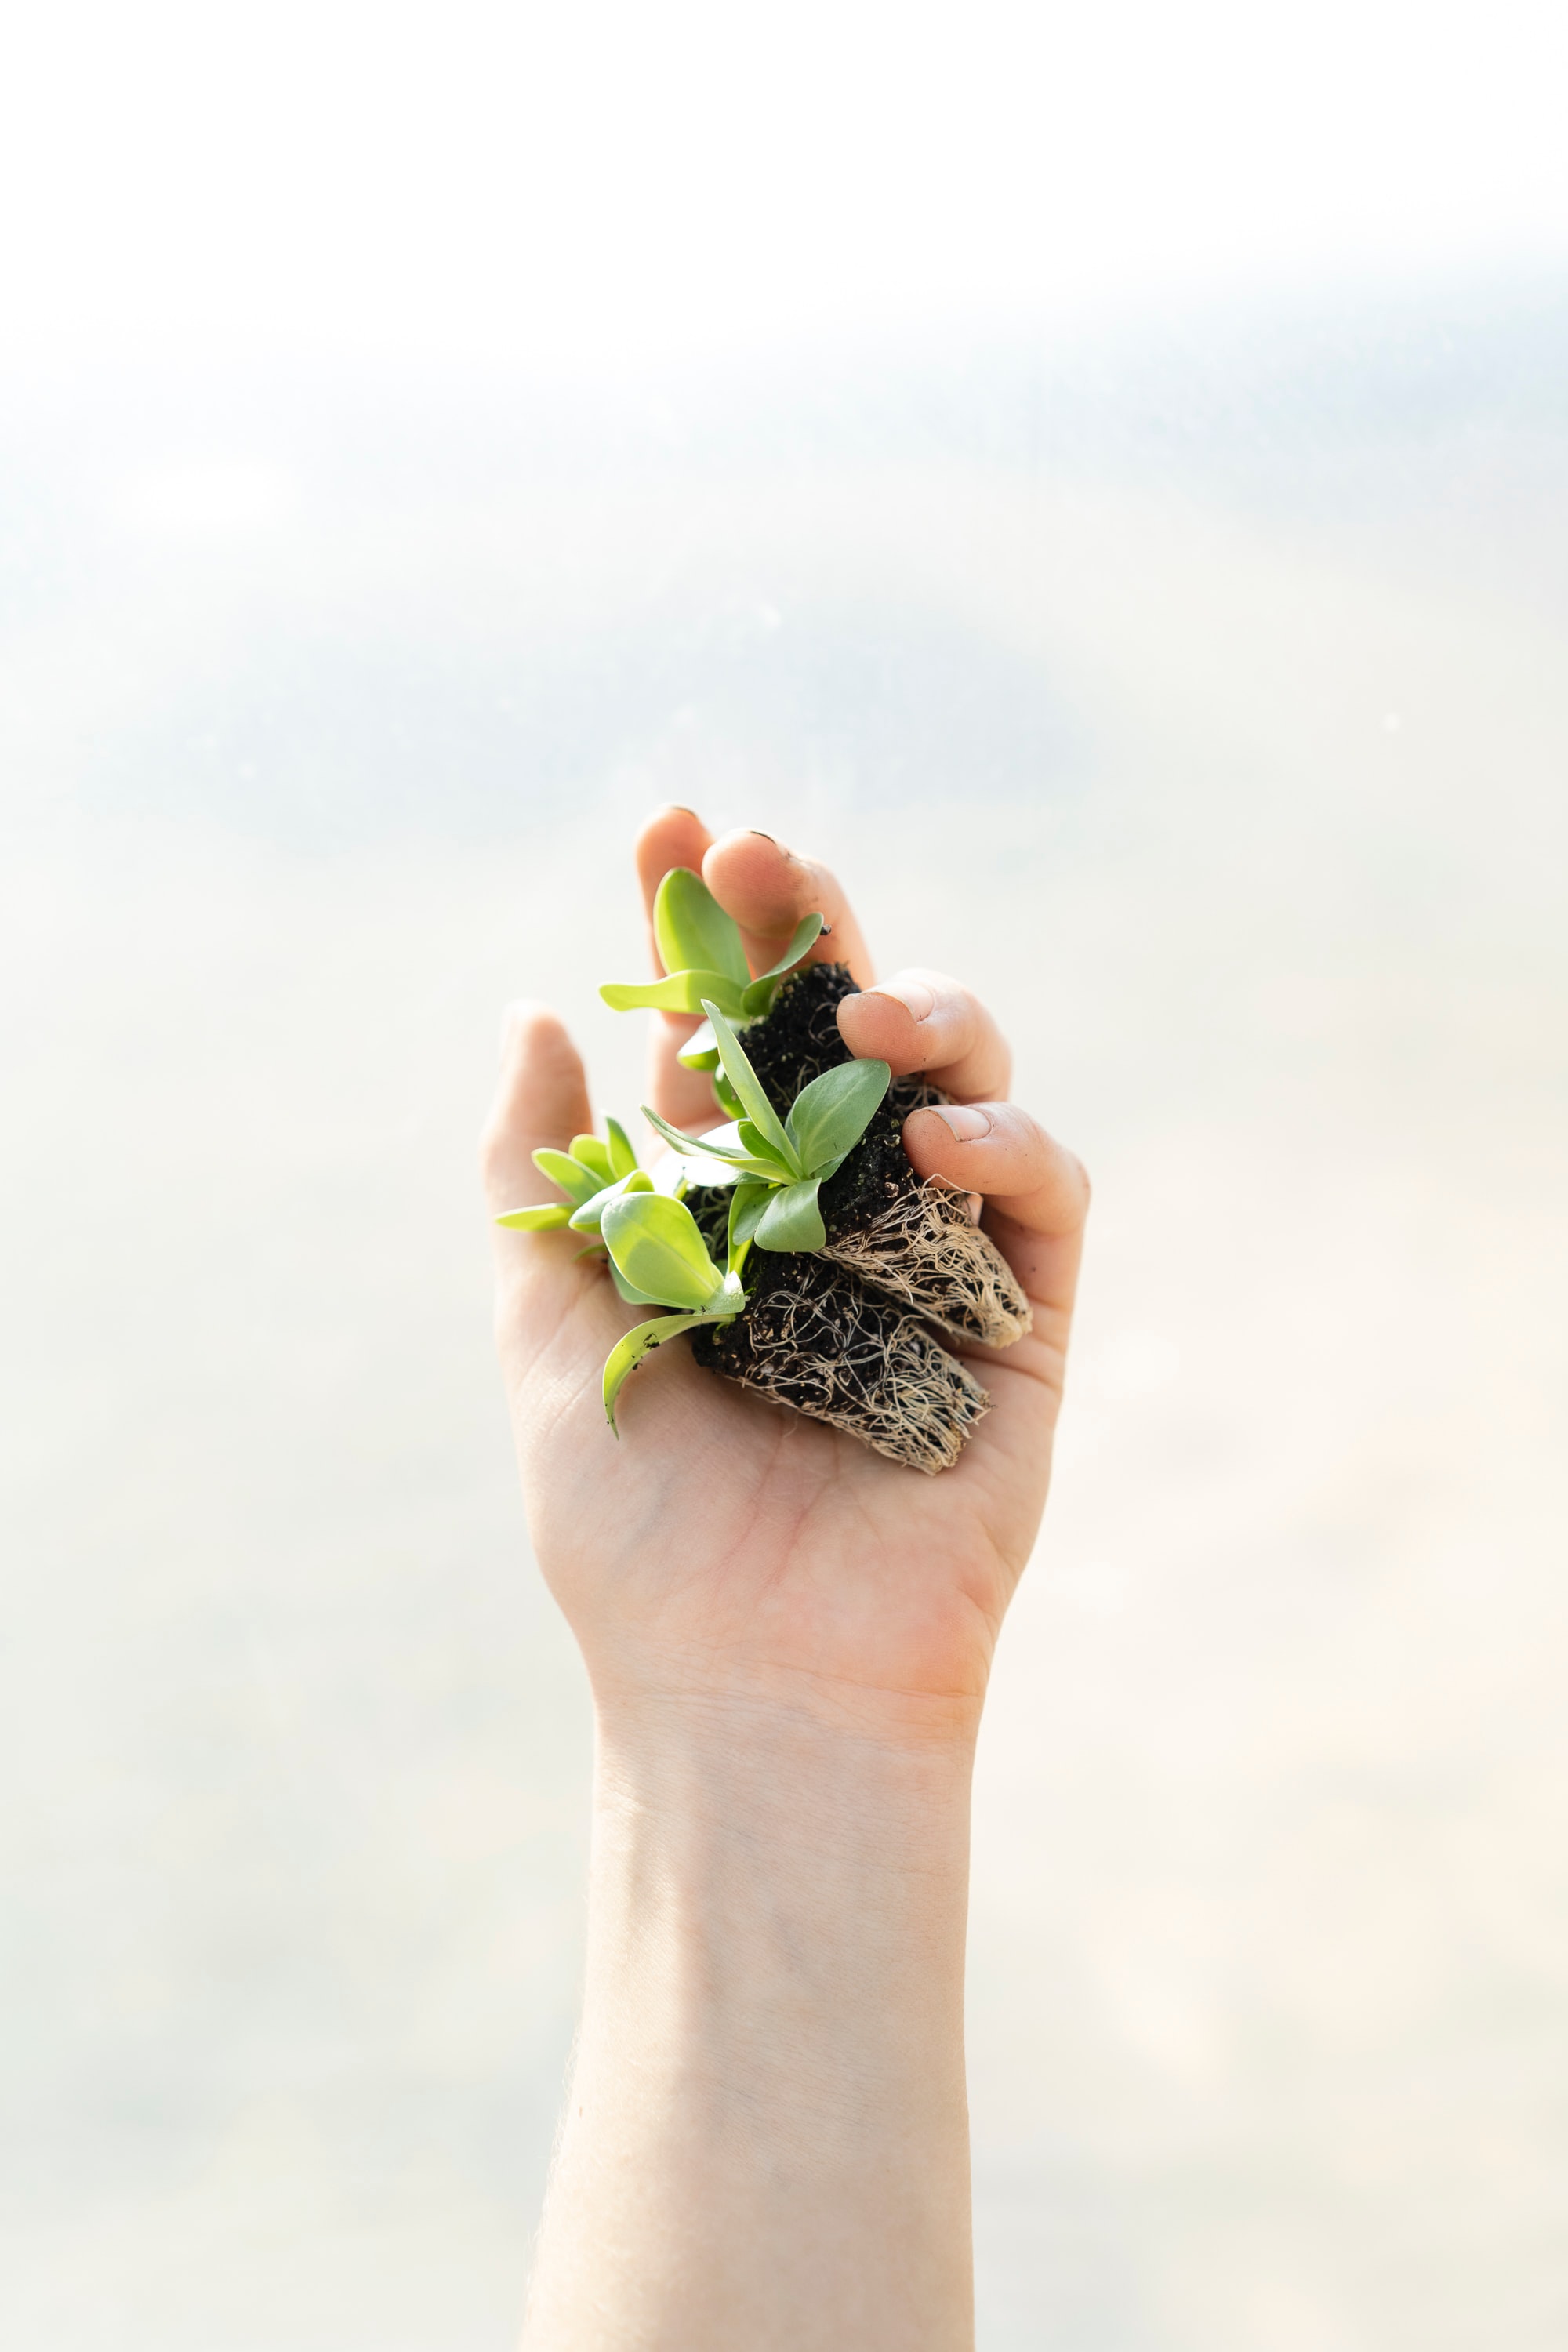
(922, 1250)
(815, 1339)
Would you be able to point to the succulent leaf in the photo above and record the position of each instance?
(628, 1290)
(749, 1087)
(693, 933)
(655, 1242)
(544, 1219)
(701, 1051)
(679, 992)
(588, 1218)
(759, 996)
(574, 1177)
(828, 1117)
(747, 1203)
(595, 1155)
(622, 1155)
(710, 1146)
(627, 1354)
(807, 931)
(793, 1219)
(757, 1145)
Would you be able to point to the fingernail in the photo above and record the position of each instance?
(774, 843)
(967, 1122)
(913, 994)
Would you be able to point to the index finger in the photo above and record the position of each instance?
(1034, 1189)
(768, 888)
(673, 836)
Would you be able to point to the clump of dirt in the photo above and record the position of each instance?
(910, 1242)
(841, 1336)
(815, 1339)
(799, 1038)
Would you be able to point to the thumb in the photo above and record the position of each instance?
(541, 1097)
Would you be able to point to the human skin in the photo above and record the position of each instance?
(788, 1639)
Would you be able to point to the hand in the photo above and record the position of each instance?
(765, 2141)
(726, 1550)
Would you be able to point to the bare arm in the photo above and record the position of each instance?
(788, 1638)
(766, 2141)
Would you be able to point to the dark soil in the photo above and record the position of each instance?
(799, 1039)
(852, 1348)
(907, 1242)
(796, 1044)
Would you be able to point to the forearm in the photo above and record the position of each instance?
(766, 2138)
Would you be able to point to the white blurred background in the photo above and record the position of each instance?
(1101, 478)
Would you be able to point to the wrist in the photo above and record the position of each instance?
(792, 1902)
(701, 1766)
(682, 1715)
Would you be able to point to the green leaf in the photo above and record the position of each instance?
(700, 1051)
(570, 1174)
(693, 933)
(728, 1099)
(592, 1153)
(543, 1220)
(679, 992)
(590, 1216)
(707, 1175)
(748, 1085)
(701, 1146)
(627, 1354)
(716, 1144)
(807, 931)
(792, 1220)
(623, 1157)
(828, 1117)
(752, 1141)
(747, 1202)
(655, 1242)
(628, 1290)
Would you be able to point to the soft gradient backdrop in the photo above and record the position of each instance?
(1155, 607)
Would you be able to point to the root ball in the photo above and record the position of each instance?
(814, 1339)
(922, 1251)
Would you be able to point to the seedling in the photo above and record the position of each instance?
(913, 1243)
(705, 963)
(592, 1174)
(589, 1173)
(655, 1246)
(657, 1257)
(780, 1165)
(833, 1317)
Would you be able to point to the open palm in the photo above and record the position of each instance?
(727, 1549)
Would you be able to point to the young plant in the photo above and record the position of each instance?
(781, 1166)
(657, 1257)
(913, 1243)
(705, 962)
(656, 1247)
(592, 1174)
